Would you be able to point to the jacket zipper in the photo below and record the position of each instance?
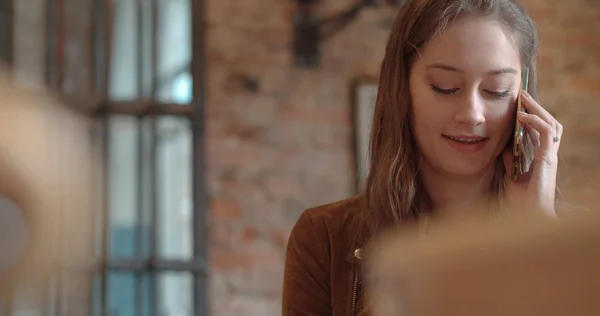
(354, 289)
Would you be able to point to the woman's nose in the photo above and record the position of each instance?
(470, 111)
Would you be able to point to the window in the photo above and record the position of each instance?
(6, 14)
(144, 88)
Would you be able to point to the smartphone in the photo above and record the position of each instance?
(519, 131)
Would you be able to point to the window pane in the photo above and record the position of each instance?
(130, 294)
(124, 58)
(175, 294)
(129, 186)
(178, 90)
(174, 181)
(175, 51)
(123, 181)
(133, 48)
(146, 185)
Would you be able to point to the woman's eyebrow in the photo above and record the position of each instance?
(454, 69)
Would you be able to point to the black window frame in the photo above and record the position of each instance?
(101, 107)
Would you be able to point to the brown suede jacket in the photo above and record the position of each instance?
(322, 268)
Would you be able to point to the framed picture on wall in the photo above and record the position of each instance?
(364, 97)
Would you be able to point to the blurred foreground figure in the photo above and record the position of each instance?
(45, 189)
(508, 267)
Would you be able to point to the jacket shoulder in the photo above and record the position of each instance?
(333, 223)
(334, 215)
(316, 255)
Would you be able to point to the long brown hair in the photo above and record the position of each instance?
(393, 192)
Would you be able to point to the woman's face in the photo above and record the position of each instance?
(463, 88)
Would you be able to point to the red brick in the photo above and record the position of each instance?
(221, 234)
(225, 209)
(282, 185)
(249, 234)
(228, 261)
(321, 115)
(246, 133)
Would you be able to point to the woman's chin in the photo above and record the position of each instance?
(466, 169)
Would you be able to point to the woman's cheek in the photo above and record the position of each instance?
(503, 112)
(501, 120)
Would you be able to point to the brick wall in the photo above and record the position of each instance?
(570, 88)
(274, 152)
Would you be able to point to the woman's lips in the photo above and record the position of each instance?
(466, 143)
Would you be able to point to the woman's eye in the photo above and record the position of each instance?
(499, 95)
(443, 91)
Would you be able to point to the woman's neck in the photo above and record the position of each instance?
(457, 196)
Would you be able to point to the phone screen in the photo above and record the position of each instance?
(519, 133)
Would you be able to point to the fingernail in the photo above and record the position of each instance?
(526, 94)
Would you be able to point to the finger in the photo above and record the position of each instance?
(533, 135)
(559, 130)
(533, 107)
(545, 130)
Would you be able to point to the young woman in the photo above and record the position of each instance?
(440, 143)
